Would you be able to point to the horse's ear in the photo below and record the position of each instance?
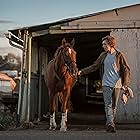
(63, 41)
(72, 42)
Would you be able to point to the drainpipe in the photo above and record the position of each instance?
(40, 83)
(23, 78)
(24, 99)
(26, 79)
(29, 77)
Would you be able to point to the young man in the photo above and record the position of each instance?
(115, 74)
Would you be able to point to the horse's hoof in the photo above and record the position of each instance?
(52, 127)
(63, 129)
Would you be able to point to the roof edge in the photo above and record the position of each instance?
(47, 25)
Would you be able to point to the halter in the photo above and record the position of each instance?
(66, 63)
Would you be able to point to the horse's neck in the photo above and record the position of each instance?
(59, 63)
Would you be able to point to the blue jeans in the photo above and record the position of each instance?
(111, 96)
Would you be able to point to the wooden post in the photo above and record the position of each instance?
(21, 104)
(29, 77)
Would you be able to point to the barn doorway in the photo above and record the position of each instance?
(86, 95)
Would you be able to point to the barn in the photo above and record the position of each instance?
(40, 42)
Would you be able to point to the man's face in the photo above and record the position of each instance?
(106, 46)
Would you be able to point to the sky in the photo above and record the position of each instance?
(22, 13)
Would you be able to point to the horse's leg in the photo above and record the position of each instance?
(64, 110)
(52, 113)
(63, 122)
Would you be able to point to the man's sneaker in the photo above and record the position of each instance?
(111, 129)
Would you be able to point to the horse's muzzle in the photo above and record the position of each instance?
(73, 70)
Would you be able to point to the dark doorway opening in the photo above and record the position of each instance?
(86, 95)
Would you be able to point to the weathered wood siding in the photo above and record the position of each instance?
(34, 55)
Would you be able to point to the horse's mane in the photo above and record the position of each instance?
(57, 51)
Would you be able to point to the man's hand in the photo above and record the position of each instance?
(124, 88)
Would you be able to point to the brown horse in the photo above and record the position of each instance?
(61, 75)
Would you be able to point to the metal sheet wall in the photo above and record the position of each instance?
(128, 41)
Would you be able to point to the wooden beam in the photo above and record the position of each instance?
(78, 31)
(39, 33)
(102, 25)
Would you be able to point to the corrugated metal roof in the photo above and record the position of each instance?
(46, 26)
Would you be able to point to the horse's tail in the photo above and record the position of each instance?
(69, 104)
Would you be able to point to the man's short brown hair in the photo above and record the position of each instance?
(110, 40)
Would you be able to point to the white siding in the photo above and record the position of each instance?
(5, 86)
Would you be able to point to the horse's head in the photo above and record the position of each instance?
(69, 56)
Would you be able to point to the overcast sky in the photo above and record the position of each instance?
(20, 13)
